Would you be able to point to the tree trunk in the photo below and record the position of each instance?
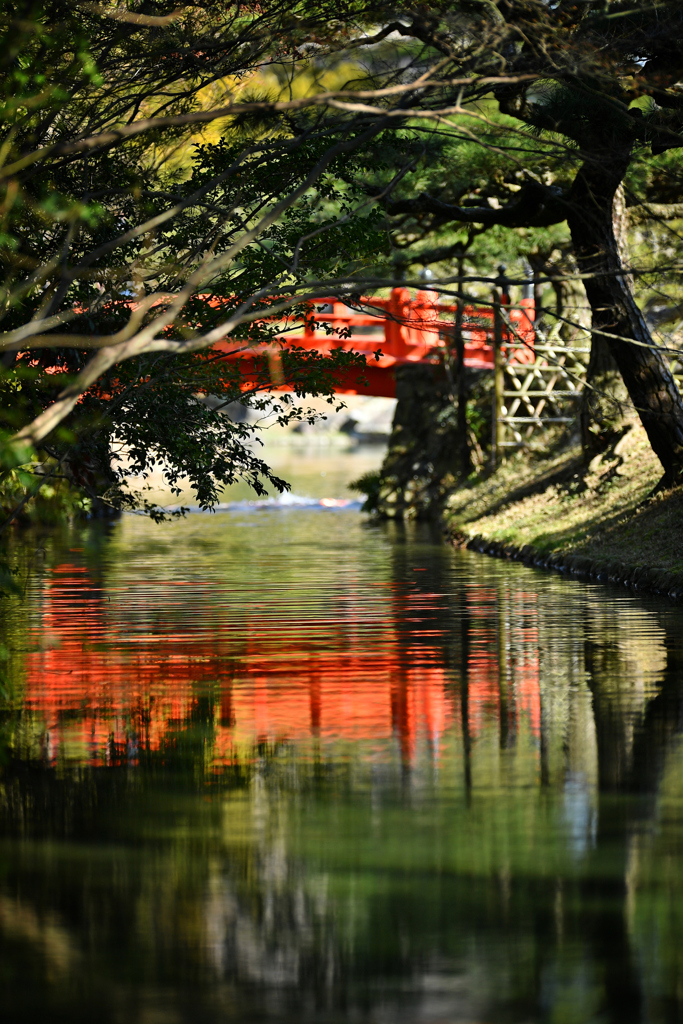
(644, 370)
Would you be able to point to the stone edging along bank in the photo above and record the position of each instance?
(654, 581)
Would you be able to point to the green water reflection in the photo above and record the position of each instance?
(282, 766)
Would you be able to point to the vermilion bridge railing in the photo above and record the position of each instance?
(406, 330)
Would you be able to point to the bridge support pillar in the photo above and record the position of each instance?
(423, 459)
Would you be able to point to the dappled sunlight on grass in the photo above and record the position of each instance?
(604, 511)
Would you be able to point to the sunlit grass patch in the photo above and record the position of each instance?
(605, 511)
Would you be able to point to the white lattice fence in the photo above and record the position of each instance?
(544, 392)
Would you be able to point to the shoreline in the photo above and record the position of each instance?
(640, 578)
(599, 521)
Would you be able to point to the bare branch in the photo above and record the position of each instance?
(655, 211)
(329, 99)
(121, 14)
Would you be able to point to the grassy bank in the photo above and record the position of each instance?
(596, 521)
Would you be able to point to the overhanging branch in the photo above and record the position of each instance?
(534, 206)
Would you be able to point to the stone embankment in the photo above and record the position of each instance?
(656, 581)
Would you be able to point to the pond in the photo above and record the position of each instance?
(277, 764)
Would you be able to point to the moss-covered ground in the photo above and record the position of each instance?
(557, 505)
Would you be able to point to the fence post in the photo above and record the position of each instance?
(458, 338)
(497, 428)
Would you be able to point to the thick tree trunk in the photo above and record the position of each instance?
(645, 371)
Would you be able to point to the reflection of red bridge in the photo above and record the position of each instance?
(406, 330)
(99, 689)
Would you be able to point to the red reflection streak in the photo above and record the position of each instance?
(273, 685)
(525, 637)
(528, 691)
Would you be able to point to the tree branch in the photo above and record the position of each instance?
(534, 206)
(335, 100)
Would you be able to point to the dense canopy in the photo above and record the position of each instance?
(272, 154)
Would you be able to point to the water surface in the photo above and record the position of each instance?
(278, 765)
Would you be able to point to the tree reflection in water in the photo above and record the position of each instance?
(319, 772)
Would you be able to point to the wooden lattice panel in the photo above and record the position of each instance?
(543, 392)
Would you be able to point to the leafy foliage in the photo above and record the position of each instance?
(101, 235)
(127, 231)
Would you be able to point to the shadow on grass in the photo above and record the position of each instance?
(633, 527)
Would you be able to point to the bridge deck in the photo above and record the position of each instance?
(404, 330)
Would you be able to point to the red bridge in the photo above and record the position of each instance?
(404, 330)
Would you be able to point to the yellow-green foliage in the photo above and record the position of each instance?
(264, 84)
(52, 502)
